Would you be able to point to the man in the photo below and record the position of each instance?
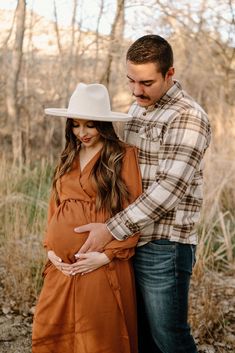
(172, 133)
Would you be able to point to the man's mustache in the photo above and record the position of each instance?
(141, 96)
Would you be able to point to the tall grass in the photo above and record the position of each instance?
(216, 248)
(23, 208)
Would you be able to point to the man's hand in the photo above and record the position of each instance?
(99, 237)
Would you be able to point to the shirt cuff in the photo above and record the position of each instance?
(121, 230)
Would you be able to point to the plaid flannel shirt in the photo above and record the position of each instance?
(172, 137)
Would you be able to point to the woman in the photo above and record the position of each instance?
(87, 303)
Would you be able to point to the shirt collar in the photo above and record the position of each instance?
(174, 93)
(171, 94)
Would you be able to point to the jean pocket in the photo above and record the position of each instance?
(162, 244)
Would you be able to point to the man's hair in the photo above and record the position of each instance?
(151, 48)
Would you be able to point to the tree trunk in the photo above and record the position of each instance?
(13, 76)
(116, 37)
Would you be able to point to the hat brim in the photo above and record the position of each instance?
(113, 116)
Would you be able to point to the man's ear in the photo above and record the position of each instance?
(170, 73)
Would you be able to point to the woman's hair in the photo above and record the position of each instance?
(106, 173)
(151, 48)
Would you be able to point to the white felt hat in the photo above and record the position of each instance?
(90, 102)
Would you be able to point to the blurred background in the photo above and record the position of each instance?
(46, 49)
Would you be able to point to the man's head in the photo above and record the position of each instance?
(149, 68)
(151, 49)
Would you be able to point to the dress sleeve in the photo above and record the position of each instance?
(131, 175)
(122, 250)
(51, 210)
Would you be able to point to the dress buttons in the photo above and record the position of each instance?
(144, 113)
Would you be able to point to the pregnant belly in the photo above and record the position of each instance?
(61, 237)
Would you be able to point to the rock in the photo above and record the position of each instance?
(6, 309)
(206, 348)
(32, 310)
(230, 339)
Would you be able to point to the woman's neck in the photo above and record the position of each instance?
(87, 153)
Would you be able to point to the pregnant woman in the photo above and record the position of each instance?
(92, 311)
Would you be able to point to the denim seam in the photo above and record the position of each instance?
(178, 337)
(176, 293)
(193, 255)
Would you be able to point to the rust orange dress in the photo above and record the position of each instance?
(93, 313)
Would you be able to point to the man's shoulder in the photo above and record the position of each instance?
(190, 101)
(184, 107)
(185, 102)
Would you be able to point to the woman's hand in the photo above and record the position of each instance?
(59, 264)
(89, 262)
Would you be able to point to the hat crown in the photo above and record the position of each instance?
(90, 100)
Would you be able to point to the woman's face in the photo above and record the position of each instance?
(86, 132)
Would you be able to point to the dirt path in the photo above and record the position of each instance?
(15, 333)
(213, 309)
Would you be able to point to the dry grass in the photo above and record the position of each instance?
(212, 286)
(23, 207)
(217, 228)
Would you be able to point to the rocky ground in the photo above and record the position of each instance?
(212, 315)
(15, 333)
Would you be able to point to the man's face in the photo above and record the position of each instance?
(146, 83)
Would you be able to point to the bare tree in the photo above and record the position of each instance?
(116, 38)
(57, 30)
(201, 36)
(13, 75)
(97, 37)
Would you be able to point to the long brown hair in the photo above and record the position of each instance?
(106, 173)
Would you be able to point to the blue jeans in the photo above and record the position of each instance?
(163, 270)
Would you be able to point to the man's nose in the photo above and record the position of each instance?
(137, 90)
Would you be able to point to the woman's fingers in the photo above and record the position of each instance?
(65, 269)
(86, 263)
(59, 264)
(89, 262)
(54, 258)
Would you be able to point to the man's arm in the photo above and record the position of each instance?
(180, 155)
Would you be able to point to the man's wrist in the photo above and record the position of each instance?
(118, 230)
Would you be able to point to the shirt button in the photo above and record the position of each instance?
(144, 113)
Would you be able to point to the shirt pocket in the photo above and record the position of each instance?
(149, 145)
(152, 136)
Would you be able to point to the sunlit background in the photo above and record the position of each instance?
(46, 48)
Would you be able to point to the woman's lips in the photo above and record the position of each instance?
(86, 140)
